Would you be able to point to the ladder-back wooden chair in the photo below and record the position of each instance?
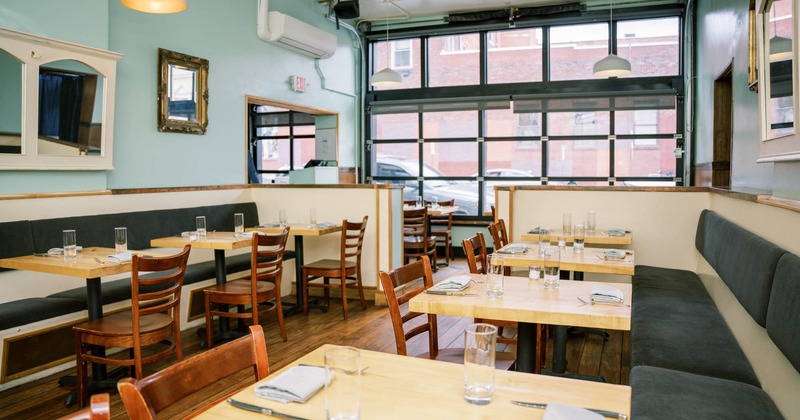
(441, 226)
(417, 240)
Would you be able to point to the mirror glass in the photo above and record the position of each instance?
(182, 93)
(70, 109)
(10, 104)
(778, 31)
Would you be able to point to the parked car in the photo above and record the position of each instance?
(491, 174)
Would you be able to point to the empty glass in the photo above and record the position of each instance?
(591, 222)
(70, 245)
(238, 224)
(120, 239)
(566, 223)
(552, 264)
(282, 218)
(312, 217)
(201, 227)
(562, 240)
(580, 238)
(479, 357)
(343, 383)
(494, 276)
(544, 240)
(535, 272)
(419, 202)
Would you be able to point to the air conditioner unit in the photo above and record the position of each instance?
(294, 34)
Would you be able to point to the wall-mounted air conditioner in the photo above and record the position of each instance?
(286, 31)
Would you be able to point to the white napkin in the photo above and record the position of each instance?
(456, 283)
(120, 257)
(297, 384)
(513, 249)
(60, 251)
(271, 225)
(616, 232)
(559, 411)
(604, 293)
(615, 254)
(324, 225)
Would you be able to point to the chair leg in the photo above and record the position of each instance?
(344, 295)
(360, 289)
(279, 307)
(209, 327)
(327, 292)
(304, 279)
(176, 332)
(81, 372)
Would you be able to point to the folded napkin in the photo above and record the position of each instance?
(270, 225)
(616, 232)
(604, 293)
(455, 283)
(559, 411)
(615, 254)
(535, 231)
(297, 384)
(120, 257)
(513, 249)
(60, 251)
(324, 225)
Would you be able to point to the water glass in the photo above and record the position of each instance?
(419, 202)
(591, 222)
(312, 217)
(70, 245)
(479, 357)
(282, 218)
(435, 203)
(535, 272)
(562, 240)
(494, 276)
(580, 238)
(566, 223)
(120, 239)
(238, 224)
(201, 227)
(552, 263)
(544, 240)
(343, 383)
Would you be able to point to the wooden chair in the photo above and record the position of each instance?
(499, 234)
(417, 240)
(475, 249)
(347, 269)
(153, 298)
(144, 398)
(262, 290)
(98, 409)
(403, 284)
(441, 226)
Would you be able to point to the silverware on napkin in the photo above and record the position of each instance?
(595, 302)
(262, 410)
(443, 292)
(611, 414)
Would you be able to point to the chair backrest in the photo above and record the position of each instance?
(266, 259)
(409, 202)
(415, 222)
(352, 240)
(475, 249)
(146, 397)
(99, 409)
(499, 234)
(400, 285)
(442, 220)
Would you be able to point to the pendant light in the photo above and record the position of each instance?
(387, 77)
(155, 6)
(780, 48)
(611, 65)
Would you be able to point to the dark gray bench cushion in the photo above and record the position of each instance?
(783, 318)
(15, 239)
(26, 311)
(744, 261)
(661, 393)
(675, 325)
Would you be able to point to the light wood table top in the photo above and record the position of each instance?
(527, 301)
(435, 211)
(402, 387)
(298, 229)
(213, 240)
(599, 237)
(590, 261)
(84, 265)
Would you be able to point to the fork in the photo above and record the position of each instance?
(626, 305)
(99, 261)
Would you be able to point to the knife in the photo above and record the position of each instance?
(442, 292)
(604, 413)
(262, 410)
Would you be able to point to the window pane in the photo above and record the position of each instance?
(304, 150)
(574, 49)
(578, 123)
(645, 122)
(301, 130)
(465, 194)
(645, 157)
(515, 56)
(398, 159)
(448, 125)
(505, 123)
(651, 45)
(402, 55)
(578, 159)
(453, 60)
(513, 159)
(395, 126)
(450, 159)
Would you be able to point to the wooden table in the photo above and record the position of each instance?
(589, 261)
(528, 303)
(298, 230)
(598, 237)
(402, 387)
(433, 211)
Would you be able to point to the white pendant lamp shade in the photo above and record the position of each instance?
(611, 66)
(780, 48)
(387, 78)
(155, 6)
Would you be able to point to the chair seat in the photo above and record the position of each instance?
(239, 287)
(329, 265)
(417, 241)
(116, 330)
(503, 360)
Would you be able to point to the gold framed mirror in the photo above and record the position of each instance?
(182, 93)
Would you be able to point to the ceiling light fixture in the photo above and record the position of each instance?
(611, 65)
(780, 48)
(155, 6)
(387, 77)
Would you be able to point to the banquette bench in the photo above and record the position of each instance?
(685, 361)
(25, 237)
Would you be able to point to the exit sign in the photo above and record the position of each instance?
(298, 83)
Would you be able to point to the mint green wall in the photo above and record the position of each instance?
(223, 32)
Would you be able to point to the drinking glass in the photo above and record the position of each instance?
(562, 240)
(591, 222)
(312, 217)
(201, 227)
(566, 223)
(580, 238)
(535, 272)
(343, 383)
(552, 263)
(238, 224)
(120, 239)
(479, 357)
(419, 202)
(435, 203)
(544, 240)
(70, 245)
(282, 218)
(494, 276)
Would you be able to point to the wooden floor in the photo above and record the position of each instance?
(368, 329)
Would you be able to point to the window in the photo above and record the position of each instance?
(401, 54)
(645, 122)
(454, 60)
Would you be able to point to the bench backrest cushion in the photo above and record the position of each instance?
(744, 261)
(783, 318)
(15, 239)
